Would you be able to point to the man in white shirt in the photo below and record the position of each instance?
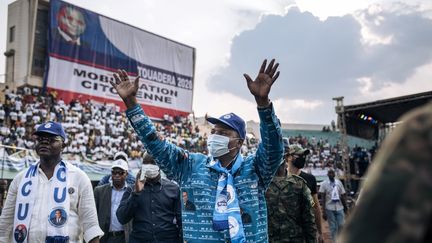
(2, 114)
(22, 117)
(5, 131)
(36, 119)
(333, 198)
(18, 104)
(13, 117)
(81, 211)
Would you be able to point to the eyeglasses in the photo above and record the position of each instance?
(50, 139)
(117, 172)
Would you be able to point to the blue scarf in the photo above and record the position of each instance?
(226, 213)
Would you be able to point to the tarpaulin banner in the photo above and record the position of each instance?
(85, 48)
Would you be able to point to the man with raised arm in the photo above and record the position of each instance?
(223, 184)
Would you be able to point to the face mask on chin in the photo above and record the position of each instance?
(217, 145)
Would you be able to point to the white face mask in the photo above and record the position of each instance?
(149, 171)
(217, 145)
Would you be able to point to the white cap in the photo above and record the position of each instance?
(120, 163)
(121, 154)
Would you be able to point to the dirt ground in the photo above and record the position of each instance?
(326, 231)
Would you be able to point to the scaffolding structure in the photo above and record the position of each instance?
(341, 125)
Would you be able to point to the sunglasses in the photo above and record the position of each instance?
(50, 139)
(117, 172)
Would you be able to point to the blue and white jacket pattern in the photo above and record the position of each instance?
(198, 182)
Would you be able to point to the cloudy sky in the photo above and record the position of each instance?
(363, 50)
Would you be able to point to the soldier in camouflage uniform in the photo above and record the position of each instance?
(289, 205)
(395, 204)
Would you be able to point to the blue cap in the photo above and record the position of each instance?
(233, 121)
(54, 128)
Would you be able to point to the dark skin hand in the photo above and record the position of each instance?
(94, 240)
(259, 88)
(126, 90)
(324, 214)
(139, 184)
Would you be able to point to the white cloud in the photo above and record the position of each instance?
(210, 27)
(321, 59)
(419, 82)
(324, 9)
(289, 111)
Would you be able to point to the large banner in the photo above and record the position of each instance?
(85, 48)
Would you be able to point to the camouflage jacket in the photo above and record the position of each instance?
(290, 211)
(395, 203)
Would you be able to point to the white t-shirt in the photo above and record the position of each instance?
(20, 131)
(36, 119)
(23, 116)
(331, 189)
(82, 148)
(44, 112)
(5, 131)
(29, 112)
(29, 143)
(18, 105)
(13, 116)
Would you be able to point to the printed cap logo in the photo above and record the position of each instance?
(227, 116)
(48, 125)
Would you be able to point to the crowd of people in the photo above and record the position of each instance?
(325, 155)
(217, 196)
(95, 131)
(98, 131)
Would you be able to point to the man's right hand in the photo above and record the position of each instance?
(139, 184)
(126, 89)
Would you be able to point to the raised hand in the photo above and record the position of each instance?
(126, 89)
(260, 88)
(139, 184)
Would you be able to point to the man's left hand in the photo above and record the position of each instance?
(260, 88)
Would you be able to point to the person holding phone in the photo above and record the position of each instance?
(153, 206)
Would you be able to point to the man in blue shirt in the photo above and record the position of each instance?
(223, 186)
(108, 198)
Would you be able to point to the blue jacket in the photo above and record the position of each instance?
(198, 182)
